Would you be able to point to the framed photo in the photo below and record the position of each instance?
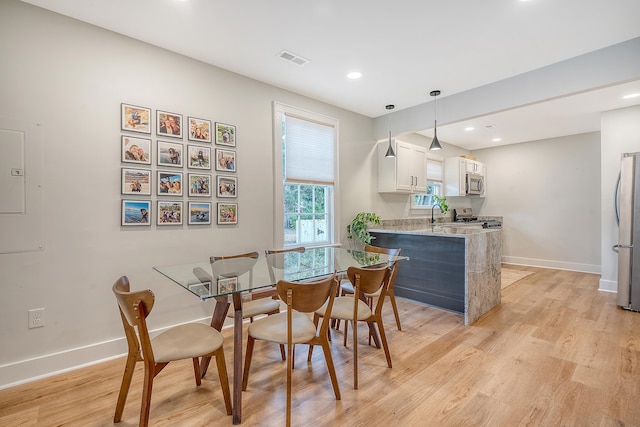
(201, 289)
(169, 213)
(199, 213)
(227, 213)
(225, 160)
(226, 186)
(170, 154)
(169, 183)
(199, 185)
(136, 150)
(199, 157)
(136, 181)
(135, 119)
(169, 124)
(199, 129)
(136, 212)
(225, 134)
(227, 285)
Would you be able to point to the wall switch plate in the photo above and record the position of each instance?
(36, 318)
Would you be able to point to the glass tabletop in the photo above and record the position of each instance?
(228, 276)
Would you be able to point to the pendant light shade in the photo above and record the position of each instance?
(390, 152)
(435, 144)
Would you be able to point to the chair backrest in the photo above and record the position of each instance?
(370, 279)
(387, 251)
(134, 308)
(379, 250)
(276, 259)
(131, 302)
(309, 296)
(233, 265)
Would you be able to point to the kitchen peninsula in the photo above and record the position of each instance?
(452, 266)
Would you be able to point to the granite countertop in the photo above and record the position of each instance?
(421, 226)
(454, 230)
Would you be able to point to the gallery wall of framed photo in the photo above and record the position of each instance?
(183, 158)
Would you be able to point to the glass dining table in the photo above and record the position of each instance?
(232, 279)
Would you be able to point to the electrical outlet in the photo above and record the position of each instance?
(36, 318)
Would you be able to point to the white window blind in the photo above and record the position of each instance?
(434, 170)
(309, 151)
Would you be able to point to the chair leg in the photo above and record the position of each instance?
(290, 349)
(383, 338)
(224, 379)
(392, 296)
(283, 354)
(147, 387)
(247, 362)
(346, 332)
(124, 387)
(355, 353)
(310, 353)
(196, 370)
(332, 371)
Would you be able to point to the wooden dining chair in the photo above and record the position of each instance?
(346, 287)
(235, 265)
(187, 341)
(276, 260)
(296, 327)
(367, 281)
(275, 263)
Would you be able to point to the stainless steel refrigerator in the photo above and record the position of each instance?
(627, 204)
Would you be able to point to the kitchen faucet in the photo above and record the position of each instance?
(432, 209)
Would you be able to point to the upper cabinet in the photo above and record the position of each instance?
(404, 173)
(473, 166)
(464, 177)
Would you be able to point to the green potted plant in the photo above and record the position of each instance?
(358, 229)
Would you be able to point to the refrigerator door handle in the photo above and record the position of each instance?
(616, 247)
(616, 199)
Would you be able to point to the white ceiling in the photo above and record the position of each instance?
(404, 49)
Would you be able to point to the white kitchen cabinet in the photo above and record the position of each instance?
(473, 166)
(455, 175)
(404, 173)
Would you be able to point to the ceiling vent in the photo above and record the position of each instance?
(292, 57)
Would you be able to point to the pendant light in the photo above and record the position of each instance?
(390, 152)
(435, 144)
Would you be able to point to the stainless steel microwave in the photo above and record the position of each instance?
(474, 185)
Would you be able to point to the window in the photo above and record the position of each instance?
(305, 177)
(434, 184)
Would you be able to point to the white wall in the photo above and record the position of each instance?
(620, 134)
(71, 78)
(549, 194)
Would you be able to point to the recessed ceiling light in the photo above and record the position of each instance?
(354, 75)
(469, 128)
(497, 139)
(631, 95)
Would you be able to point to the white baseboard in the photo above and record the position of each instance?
(25, 371)
(608, 286)
(558, 265)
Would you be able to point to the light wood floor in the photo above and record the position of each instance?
(556, 352)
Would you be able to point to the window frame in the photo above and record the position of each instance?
(280, 109)
(423, 208)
